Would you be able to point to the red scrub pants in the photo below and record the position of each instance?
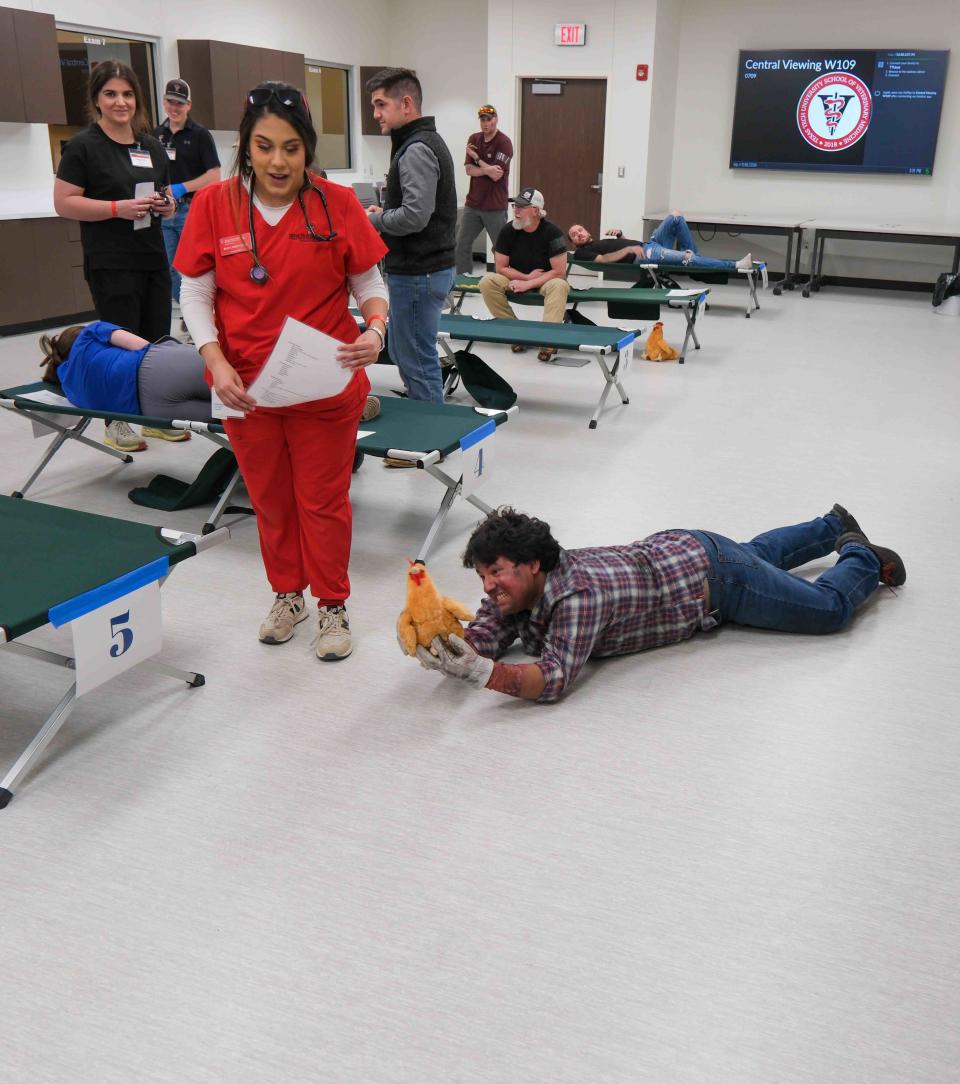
(296, 463)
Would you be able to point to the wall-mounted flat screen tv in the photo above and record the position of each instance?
(853, 110)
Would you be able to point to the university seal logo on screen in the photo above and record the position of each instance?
(834, 111)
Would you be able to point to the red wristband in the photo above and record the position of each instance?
(113, 208)
(377, 316)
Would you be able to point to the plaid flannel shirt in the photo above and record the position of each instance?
(613, 600)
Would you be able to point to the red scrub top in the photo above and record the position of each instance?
(308, 278)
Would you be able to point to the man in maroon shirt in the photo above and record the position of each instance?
(487, 164)
(567, 606)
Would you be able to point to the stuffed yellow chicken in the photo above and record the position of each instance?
(657, 348)
(427, 614)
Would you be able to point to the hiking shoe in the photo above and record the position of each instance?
(546, 353)
(518, 348)
(287, 611)
(119, 435)
(892, 570)
(332, 641)
(175, 436)
(371, 409)
(847, 522)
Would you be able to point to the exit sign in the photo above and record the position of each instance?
(570, 34)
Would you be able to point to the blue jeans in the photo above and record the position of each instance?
(172, 228)
(750, 585)
(415, 305)
(673, 233)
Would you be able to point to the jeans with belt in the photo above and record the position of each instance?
(750, 582)
(416, 302)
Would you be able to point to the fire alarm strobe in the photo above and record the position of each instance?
(643, 72)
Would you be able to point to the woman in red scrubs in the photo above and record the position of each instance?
(274, 241)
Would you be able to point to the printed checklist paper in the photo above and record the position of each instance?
(301, 367)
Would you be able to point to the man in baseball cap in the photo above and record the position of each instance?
(529, 197)
(194, 163)
(178, 90)
(489, 153)
(530, 254)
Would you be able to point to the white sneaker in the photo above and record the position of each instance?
(287, 611)
(746, 264)
(333, 641)
(119, 435)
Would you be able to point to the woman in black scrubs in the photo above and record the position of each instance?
(100, 173)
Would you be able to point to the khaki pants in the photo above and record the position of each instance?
(495, 290)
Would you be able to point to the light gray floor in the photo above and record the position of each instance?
(731, 860)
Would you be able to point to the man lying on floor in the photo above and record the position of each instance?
(672, 231)
(567, 606)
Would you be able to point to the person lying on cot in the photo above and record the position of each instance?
(672, 231)
(567, 606)
(103, 367)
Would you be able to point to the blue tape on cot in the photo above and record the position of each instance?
(626, 341)
(65, 612)
(476, 435)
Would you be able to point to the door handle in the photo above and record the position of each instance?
(597, 187)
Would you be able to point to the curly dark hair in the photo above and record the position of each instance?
(514, 535)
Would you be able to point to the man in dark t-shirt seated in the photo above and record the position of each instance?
(672, 231)
(530, 254)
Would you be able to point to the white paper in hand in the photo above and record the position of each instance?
(302, 367)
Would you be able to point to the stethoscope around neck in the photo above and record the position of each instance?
(258, 273)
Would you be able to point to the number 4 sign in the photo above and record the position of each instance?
(476, 453)
(115, 626)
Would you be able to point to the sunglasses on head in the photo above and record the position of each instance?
(289, 97)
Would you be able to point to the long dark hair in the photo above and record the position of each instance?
(56, 350)
(299, 117)
(100, 75)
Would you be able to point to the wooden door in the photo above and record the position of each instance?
(561, 149)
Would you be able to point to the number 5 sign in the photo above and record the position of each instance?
(115, 626)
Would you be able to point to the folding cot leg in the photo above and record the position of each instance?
(192, 679)
(47, 732)
(61, 712)
(453, 487)
(63, 435)
(438, 520)
(613, 381)
(690, 312)
(211, 524)
(752, 302)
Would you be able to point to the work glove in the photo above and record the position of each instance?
(457, 659)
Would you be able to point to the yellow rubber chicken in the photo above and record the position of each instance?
(657, 347)
(427, 614)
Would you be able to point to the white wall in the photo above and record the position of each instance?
(620, 35)
(713, 32)
(320, 29)
(447, 46)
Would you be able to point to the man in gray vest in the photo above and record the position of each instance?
(418, 222)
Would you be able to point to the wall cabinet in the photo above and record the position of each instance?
(42, 277)
(31, 91)
(221, 72)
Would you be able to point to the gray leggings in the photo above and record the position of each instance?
(170, 382)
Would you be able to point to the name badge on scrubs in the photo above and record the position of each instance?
(140, 158)
(239, 242)
(172, 153)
